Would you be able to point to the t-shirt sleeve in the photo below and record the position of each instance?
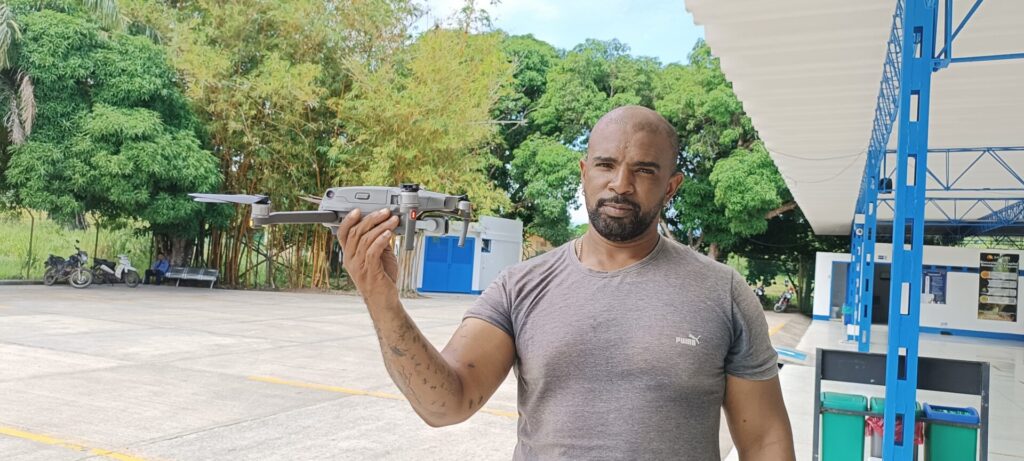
(494, 305)
(751, 354)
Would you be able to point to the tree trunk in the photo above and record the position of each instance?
(790, 206)
(179, 251)
(665, 232)
(713, 251)
(804, 293)
(407, 268)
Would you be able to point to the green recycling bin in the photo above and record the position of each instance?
(842, 436)
(945, 442)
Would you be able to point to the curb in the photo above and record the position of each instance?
(20, 282)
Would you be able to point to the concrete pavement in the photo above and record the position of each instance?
(165, 373)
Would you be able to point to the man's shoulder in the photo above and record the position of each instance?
(538, 264)
(684, 257)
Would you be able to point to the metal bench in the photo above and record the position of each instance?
(192, 273)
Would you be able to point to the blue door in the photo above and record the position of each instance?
(446, 267)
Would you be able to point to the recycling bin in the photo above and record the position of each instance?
(876, 426)
(947, 442)
(842, 436)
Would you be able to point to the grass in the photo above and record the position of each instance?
(52, 238)
(772, 292)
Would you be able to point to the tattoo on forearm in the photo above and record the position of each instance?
(422, 375)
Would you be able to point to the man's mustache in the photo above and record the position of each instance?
(618, 200)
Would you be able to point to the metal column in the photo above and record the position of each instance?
(867, 272)
(919, 24)
(866, 220)
(853, 277)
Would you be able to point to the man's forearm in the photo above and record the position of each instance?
(777, 449)
(418, 369)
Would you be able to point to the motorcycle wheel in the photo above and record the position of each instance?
(80, 278)
(50, 277)
(131, 278)
(780, 307)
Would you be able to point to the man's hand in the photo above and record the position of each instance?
(443, 388)
(368, 257)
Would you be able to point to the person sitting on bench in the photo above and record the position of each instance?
(158, 270)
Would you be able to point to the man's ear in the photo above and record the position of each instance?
(583, 168)
(673, 186)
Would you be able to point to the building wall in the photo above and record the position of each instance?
(823, 283)
(506, 236)
(961, 308)
(960, 312)
(506, 248)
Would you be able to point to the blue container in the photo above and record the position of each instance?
(944, 442)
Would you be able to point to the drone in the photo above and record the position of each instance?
(417, 209)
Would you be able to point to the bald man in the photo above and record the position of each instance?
(625, 345)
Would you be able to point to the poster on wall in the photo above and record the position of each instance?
(934, 286)
(997, 290)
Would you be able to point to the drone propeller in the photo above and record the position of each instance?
(311, 199)
(231, 198)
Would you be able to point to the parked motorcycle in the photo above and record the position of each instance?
(108, 272)
(783, 301)
(759, 292)
(72, 269)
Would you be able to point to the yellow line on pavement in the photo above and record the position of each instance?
(47, 440)
(345, 390)
(776, 329)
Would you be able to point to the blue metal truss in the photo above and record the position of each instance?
(957, 211)
(919, 22)
(945, 56)
(860, 277)
(1005, 216)
(947, 179)
(995, 241)
(905, 91)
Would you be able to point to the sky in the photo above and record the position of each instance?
(659, 28)
(656, 28)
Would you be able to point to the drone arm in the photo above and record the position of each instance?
(297, 217)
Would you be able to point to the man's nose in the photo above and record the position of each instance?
(622, 182)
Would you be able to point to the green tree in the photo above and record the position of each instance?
(425, 117)
(262, 77)
(787, 247)
(547, 175)
(113, 135)
(558, 96)
(731, 187)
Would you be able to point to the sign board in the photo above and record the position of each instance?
(997, 287)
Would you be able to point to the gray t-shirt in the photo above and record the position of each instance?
(629, 364)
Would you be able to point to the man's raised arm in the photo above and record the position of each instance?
(443, 387)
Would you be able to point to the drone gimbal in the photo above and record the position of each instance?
(417, 209)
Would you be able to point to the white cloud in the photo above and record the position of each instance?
(542, 10)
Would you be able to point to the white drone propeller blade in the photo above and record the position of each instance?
(311, 199)
(229, 198)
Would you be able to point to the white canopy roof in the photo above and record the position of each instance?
(808, 73)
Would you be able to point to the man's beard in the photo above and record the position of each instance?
(621, 229)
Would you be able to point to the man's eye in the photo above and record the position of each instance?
(604, 165)
(645, 171)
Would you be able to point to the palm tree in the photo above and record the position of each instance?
(106, 11)
(17, 94)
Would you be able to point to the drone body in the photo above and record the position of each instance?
(417, 209)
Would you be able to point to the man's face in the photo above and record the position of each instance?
(628, 176)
